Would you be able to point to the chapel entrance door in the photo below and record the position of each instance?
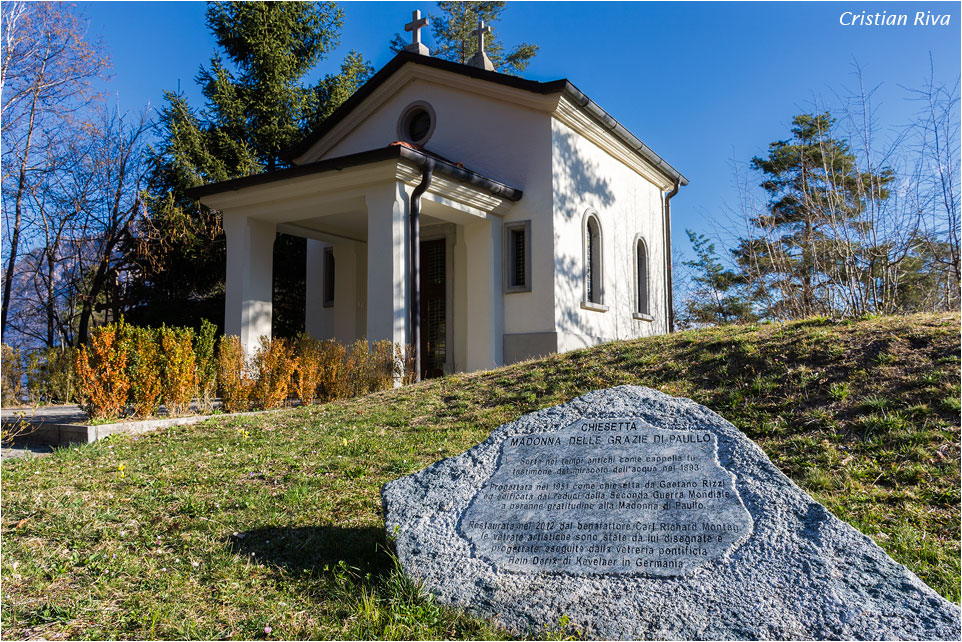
(433, 309)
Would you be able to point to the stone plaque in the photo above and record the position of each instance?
(607, 496)
(632, 515)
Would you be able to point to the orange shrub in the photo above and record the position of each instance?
(51, 377)
(308, 369)
(206, 358)
(178, 369)
(332, 374)
(357, 366)
(11, 364)
(102, 372)
(233, 375)
(275, 364)
(404, 363)
(382, 368)
(143, 369)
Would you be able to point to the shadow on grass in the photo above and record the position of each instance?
(317, 548)
(351, 575)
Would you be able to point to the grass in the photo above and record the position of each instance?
(271, 526)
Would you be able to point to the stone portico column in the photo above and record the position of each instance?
(250, 257)
(485, 303)
(387, 264)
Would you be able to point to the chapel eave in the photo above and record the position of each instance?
(442, 166)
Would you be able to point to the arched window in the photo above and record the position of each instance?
(641, 277)
(594, 270)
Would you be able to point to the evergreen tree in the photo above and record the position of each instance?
(816, 193)
(256, 106)
(272, 46)
(453, 41)
(720, 295)
(333, 90)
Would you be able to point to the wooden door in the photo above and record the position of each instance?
(433, 308)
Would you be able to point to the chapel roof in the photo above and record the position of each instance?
(561, 86)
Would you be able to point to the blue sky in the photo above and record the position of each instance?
(702, 83)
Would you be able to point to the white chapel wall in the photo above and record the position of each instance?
(346, 319)
(502, 141)
(318, 319)
(562, 175)
(585, 177)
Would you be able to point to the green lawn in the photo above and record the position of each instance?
(271, 527)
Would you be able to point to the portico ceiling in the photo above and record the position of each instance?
(351, 226)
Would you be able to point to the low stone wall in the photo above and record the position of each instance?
(62, 434)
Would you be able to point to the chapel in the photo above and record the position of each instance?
(482, 217)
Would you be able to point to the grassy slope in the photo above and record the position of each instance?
(223, 529)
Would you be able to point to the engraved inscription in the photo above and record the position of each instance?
(607, 496)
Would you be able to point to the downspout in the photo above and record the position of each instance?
(669, 295)
(427, 168)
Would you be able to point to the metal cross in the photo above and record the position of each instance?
(415, 27)
(479, 32)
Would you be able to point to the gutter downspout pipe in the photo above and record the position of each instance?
(427, 168)
(669, 295)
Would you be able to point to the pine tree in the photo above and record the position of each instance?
(272, 46)
(720, 295)
(816, 191)
(257, 105)
(453, 41)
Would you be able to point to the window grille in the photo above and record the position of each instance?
(517, 256)
(328, 276)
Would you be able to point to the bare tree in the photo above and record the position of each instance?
(10, 15)
(60, 203)
(83, 213)
(46, 77)
(910, 240)
(937, 147)
(117, 162)
(859, 218)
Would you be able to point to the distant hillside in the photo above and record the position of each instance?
(228, 527)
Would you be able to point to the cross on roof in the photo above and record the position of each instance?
(479, 32)
(480, 58)
(415, 26)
